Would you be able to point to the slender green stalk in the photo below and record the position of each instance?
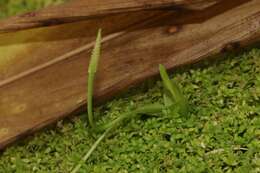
(91, 76)
(90, 151)
(146, 109)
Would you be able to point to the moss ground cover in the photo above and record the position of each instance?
(222, 133)
(12, 7)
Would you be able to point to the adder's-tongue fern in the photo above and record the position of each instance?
(173, 99)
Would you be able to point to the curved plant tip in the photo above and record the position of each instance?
(93, 64)
(173, 92)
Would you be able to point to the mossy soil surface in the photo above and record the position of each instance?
(12, 7)
(222, 133)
